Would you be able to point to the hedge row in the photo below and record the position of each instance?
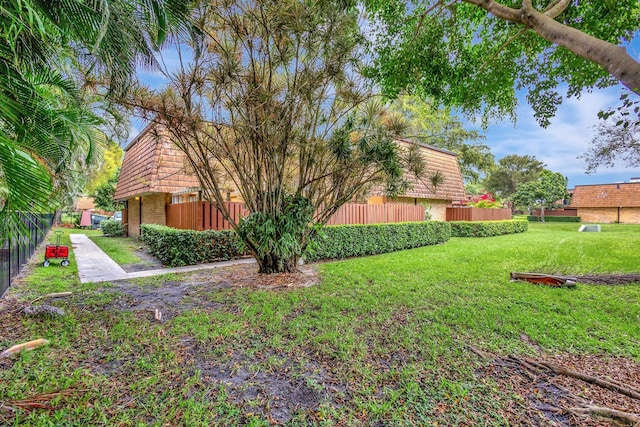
(535, 218)
(186, 247)
(487, 228)
(112, 228)
(175, 247)
(343, 241)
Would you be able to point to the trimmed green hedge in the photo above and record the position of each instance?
(186, 247)
(112, 228)
(342, 241)
(535, 218)
(175, 247)
(487, 228)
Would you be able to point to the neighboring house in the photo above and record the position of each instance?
(608, 203)
(436, 200)
(84, 203)
(153, 176)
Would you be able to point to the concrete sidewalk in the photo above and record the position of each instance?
(96, 266)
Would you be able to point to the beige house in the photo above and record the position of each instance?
(153, 177)
(436, 200)
(608, 203)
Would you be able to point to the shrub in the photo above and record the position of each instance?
(175, 247)
(535, 218)
(487, 228)
(112, 228)
(342, 241)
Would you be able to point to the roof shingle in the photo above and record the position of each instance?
(606, 195)
(153, 164)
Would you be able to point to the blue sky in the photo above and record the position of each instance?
(558, 145)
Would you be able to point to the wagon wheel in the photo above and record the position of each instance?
(45, 263)
(64, 262)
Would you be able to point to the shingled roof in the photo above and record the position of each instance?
(152, 164)
(606, 196)
(437, 159)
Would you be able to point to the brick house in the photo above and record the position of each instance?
(608, 203)
(153, 176)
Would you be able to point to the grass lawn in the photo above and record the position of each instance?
(120, 249)
(382, 340)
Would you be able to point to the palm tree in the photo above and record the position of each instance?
(56, 55)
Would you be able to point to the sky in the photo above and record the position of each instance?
(558, 145)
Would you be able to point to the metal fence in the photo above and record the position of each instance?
(14, 253)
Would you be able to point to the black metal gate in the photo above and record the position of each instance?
(14, 253)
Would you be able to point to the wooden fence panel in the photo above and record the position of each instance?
(477, 214)
(205, 216)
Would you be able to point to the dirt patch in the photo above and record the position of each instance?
(147, 262)
(172, 297)
(552, 399)
(274, 384)
(609, 279)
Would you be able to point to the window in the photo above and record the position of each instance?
(193, 197)
(177, 199)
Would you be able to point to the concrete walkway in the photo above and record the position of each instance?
(96, 266)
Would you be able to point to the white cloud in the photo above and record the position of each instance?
(559, 145)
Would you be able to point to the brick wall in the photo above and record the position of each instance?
(630, 215)
(153, 212)
(153, 209)
(610, 215)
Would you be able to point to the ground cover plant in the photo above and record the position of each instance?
(380, 340)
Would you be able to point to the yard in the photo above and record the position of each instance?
(430, 336)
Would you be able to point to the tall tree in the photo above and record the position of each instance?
(272, 105)
(53, 55)
(436, 126)
(617, 139)
(475, 54)
(544, 192)
(511, 171)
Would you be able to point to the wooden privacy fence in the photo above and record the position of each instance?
(202, 215)
(357, 213)
(205, 216)
(477, 214)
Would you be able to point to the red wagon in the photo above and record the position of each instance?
(56, 251)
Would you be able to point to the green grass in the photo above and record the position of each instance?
(387, 336)
(120, 249)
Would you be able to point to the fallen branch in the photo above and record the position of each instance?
(27, 346)
(607, 412)
(620, 388)
(54, 295)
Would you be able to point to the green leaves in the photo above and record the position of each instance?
(461, 55)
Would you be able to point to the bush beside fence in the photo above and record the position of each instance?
(342, 241)
(175, 247)
(487, 228)
(112, 228)
(534, 218)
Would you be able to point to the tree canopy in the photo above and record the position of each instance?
(544, 192)
(57, 58)
(476, 54)
(511, 171)
(272, 105)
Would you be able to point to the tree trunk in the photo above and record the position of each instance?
(542, 213)
(270, 264)
(613, 58)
